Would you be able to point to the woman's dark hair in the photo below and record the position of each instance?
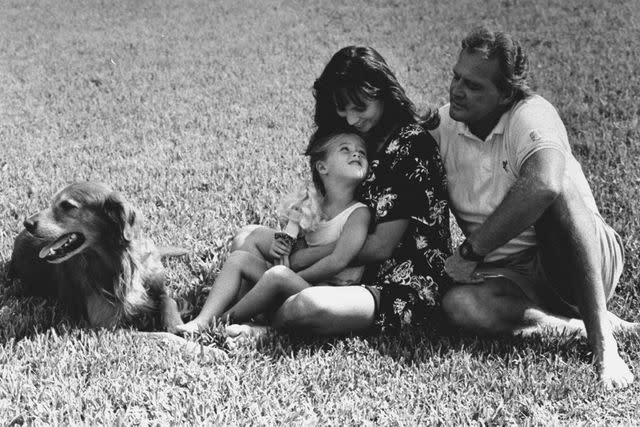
(318, 152)
(514, 76)
(356, 73)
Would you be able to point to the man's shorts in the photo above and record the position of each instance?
(525, 269)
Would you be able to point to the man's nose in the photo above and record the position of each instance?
(455, 90)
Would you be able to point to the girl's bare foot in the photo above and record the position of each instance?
(246, 330)
(246, 333)
(193, 327)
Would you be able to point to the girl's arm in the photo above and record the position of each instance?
(351, 240)
(378, 246)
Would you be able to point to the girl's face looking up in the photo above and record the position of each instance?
(362, 114)
(346, 158)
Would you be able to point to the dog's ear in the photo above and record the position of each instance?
(122, 214)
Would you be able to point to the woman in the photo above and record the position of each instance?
(406, 190)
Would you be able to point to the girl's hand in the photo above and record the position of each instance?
(280, 246)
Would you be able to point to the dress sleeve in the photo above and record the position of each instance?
(418, 187)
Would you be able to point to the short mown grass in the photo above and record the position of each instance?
(198, 111)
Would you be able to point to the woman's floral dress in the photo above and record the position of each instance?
(407, 180)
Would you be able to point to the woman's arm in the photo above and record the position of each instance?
(350, 242)
(382, 242)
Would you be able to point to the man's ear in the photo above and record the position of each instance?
(507, 97)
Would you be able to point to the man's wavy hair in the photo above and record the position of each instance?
(514, 76)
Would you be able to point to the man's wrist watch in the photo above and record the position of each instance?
(467, 252)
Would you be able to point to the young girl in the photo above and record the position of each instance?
(339, 165)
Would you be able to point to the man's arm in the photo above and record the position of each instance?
(540, 183)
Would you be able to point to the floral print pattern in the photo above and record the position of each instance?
(407, 181)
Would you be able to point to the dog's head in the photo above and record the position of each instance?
(83, 216)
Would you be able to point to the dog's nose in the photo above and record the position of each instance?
(30, 224)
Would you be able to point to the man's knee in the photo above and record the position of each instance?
(568, 210)
(458, 305)
(481, 308)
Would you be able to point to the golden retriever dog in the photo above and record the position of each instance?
(87, 251)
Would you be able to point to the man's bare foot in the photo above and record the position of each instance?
(193, 327)
(555, 326)
(572, 326)
(613, 371)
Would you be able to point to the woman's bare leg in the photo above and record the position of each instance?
(327, 310)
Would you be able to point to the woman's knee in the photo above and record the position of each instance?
(304, 309)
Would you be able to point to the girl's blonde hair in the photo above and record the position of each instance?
(317, 151)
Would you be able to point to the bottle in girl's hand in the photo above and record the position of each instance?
(302, 212)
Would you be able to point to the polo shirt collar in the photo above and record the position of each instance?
(463, 129)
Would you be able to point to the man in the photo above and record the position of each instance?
(537, 253)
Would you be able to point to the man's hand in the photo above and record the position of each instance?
(461, 270)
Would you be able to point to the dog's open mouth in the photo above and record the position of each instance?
(62, 247)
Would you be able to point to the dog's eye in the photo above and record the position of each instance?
(66, 205)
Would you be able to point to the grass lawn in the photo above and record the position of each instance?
(198, 111)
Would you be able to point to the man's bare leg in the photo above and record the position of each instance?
(572, 256)
(567, 237)
(498, 306)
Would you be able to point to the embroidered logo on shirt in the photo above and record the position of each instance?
(535, 136)
(504, 165)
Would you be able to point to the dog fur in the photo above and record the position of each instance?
(87, 251)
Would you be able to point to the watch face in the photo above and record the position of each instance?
(466, 252)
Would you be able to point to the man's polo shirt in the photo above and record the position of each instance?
(480, 173)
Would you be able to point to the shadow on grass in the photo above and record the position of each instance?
(411, 347)
(24, 316)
